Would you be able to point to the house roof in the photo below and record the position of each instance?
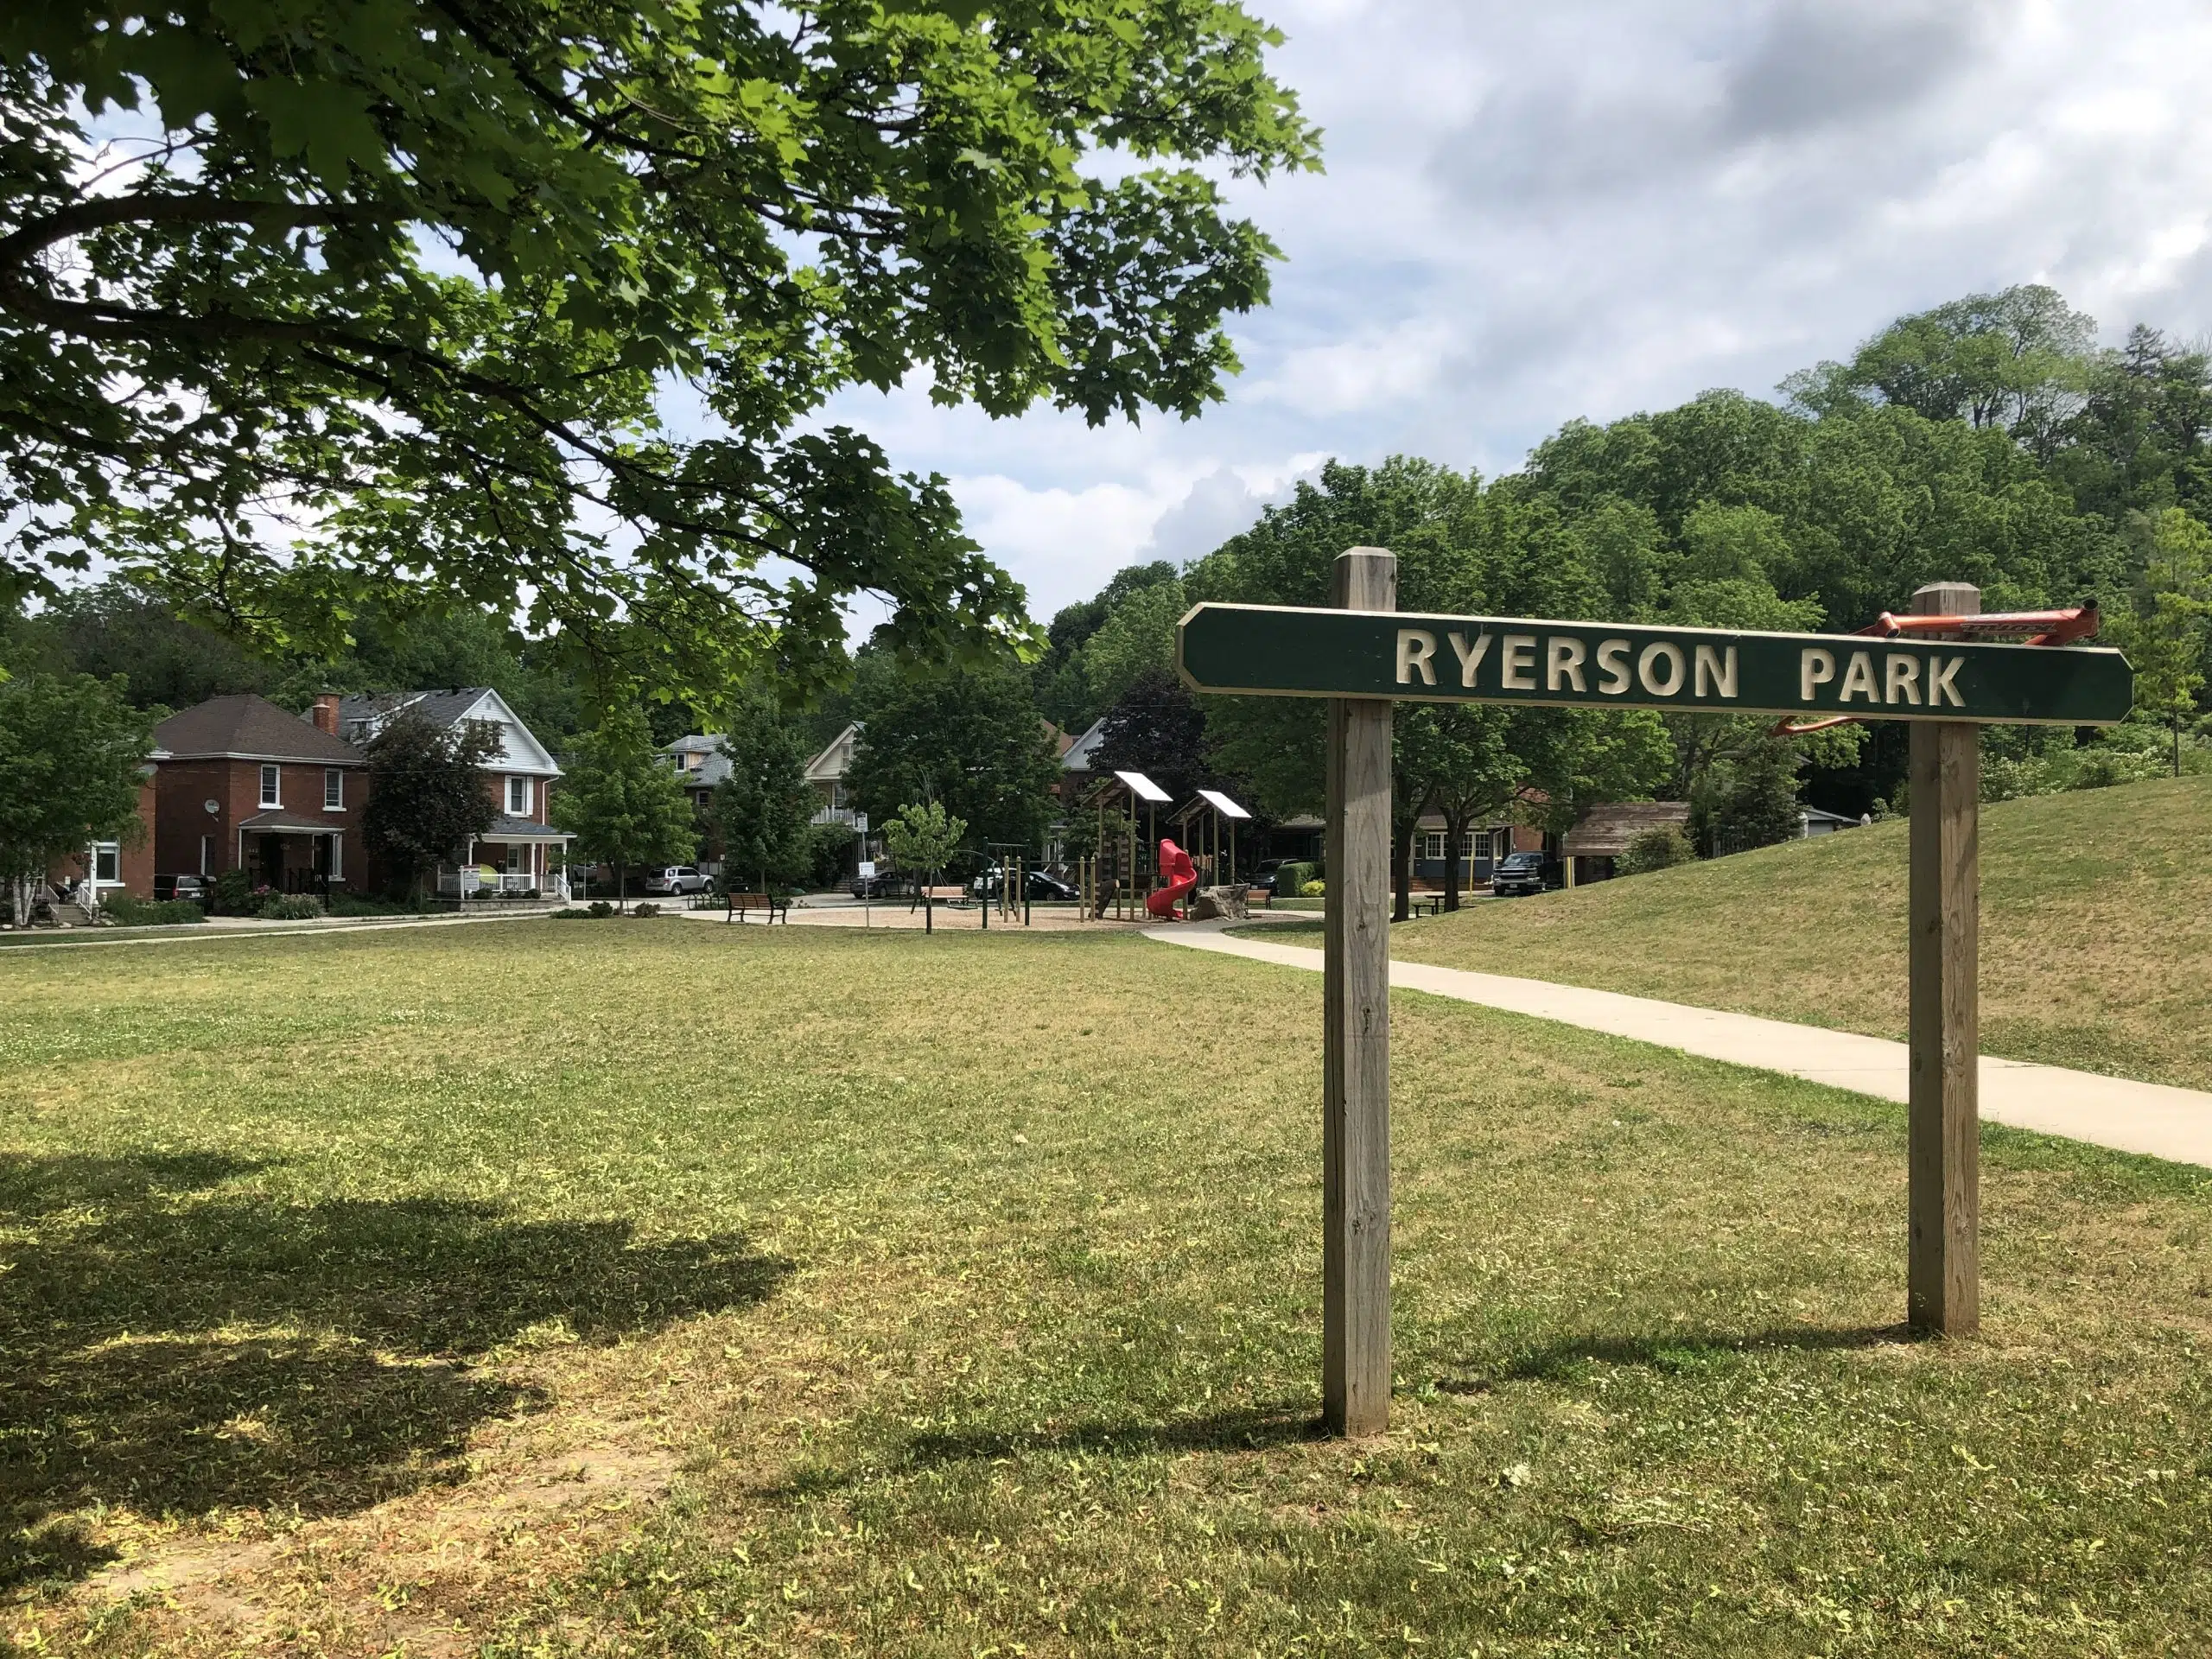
(1077, 756)
(694, 743)
(361, 715)
(1605, 831)
(505, 828)
(276, 821)
(1821, 814)
(249, 727)
(836, 761)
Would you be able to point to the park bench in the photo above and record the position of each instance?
(736, 904)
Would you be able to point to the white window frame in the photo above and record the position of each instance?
(519, 787)
(333, 789)
(272, 786)
(207, 855)
(111, 850)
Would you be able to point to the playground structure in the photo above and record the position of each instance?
(1178, 874)
(1136, 874)
(1208, 826)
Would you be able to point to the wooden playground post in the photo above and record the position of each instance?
(1356, 1038)
(1943, 1273)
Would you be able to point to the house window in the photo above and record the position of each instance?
(1431, 845)
(270, 795)
(333, 790)
(107, 859)
(518, 796)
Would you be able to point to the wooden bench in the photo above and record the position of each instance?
(736, 904)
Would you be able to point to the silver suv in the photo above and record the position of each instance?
(677, 878)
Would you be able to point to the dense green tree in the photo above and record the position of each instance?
(969, 739)
(1156, 727)
(2166, 634)
(72, 750)
(427, 794)
(415, 273)
(763, 809)
(621, 801)
(1076, 683)
(113, 628)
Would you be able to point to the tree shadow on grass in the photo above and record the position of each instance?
(1675, 1352)
(175, 1351)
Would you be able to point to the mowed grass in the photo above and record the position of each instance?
(2096, 932)
(964, 1293)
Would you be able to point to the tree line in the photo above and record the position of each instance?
(1988, 440)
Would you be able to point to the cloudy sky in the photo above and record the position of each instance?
(1593, 206)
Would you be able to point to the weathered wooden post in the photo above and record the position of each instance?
(1943, 1272)
(1356, 1038)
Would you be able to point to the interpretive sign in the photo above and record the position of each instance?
(1281, 651)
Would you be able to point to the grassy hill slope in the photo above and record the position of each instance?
(2096, 932)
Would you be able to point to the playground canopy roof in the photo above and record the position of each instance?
(1142, 787)
(1221, 803)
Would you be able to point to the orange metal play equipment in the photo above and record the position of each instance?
(1181, 874)
(2041, 627)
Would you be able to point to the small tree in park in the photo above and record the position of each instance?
(427, 795)
(2165, 636)
(72, 750)
(921, 839)
(764, 807)
(622, 803)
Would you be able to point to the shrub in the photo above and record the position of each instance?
(1291, 877)
(600, 910)
(127, 911)
(291, 907)
(1314, 890)
(1657, 850)
(232, 894)
(644, 910)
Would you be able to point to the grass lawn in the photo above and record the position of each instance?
(652, 1288)
(2096, 932)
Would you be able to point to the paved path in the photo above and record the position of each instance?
(2128, 1117)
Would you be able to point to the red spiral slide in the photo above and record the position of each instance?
(1181, 875)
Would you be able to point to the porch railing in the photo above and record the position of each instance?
(474, 884)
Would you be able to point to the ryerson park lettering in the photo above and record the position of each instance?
(1285, 651)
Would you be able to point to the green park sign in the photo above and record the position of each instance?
(1283, 650)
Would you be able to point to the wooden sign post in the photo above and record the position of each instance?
(1942, 1269)
(1356, 1038)
(1362, 654)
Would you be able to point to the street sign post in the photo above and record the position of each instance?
(1276, 651)
(1363, 655)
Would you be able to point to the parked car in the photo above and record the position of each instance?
(884, 884)
(1522, 873)
(677, 878)
(1263, 879)
(193, 889)
(1038, 885)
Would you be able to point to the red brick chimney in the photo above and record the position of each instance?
(325, 713)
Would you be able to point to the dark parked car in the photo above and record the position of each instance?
(885, 884)
(193, 889)
(1524, 873)
(1263, 879)
(1040, 887)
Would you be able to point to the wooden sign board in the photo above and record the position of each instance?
(1285, 651)
(1364, 654)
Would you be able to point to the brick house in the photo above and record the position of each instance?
(239, 783)
(521, 852)
(107, 867)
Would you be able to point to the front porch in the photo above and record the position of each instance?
(516, 858)
(287, 852)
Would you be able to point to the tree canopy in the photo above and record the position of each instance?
(71, 752)
(427, 792)
(621, 801)
(763, 808)
(301, 304)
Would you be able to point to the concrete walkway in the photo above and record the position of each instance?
(2146, 1117)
